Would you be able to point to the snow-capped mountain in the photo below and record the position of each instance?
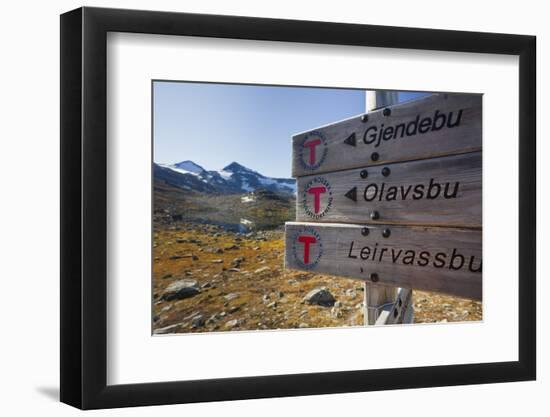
(248, 180)
(234, 178)
(187, 167)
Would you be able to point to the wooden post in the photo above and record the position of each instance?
(376, 296)
(378, 99)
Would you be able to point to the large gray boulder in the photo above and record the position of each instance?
(320, 296)
(181, 289)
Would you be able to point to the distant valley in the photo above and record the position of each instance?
(235, 197)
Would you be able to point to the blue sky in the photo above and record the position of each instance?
(216, 124)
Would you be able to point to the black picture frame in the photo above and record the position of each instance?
(84, 207)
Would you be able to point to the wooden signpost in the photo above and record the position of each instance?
(446, 260)
(437, 191)
(393, 198)
(442, 124)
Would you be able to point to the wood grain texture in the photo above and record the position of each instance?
(453, 255)
(349, 198)
(376, 296)
(344, 145)
(400, 312)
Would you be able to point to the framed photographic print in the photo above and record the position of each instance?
(258, 207)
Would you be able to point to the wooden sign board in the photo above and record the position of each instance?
(446, 260)
(437, 191)
(442, 124)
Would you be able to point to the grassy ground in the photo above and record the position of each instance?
(244, 286)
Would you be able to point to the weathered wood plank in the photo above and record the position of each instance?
(442, 124)
(398, 312)
(447, 260)
(376, 296)
(437, 191)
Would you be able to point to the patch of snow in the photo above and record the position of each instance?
(279, 184)
(291, 187)
(248, 199)
(179, 170)
(267, 181)
(225, 174)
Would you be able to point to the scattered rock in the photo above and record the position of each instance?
(231, 296)
(320, 296)
(237, 261)
(231, 324)
(272, 304)
(234, 309)
(212, 319)
(167, 276)
(167, 329)
(233, 247)
(303, 325)
(217, 261)
(181, 289)
(262, 269)
(350, 292)
(198, 321)
(233, 270)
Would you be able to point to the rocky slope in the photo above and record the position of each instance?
(206, 278)
(261, 209)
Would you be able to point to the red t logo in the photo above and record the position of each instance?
(306, 240)
(311, 145)
(317, 191)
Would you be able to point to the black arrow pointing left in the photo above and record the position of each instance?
(352, 194)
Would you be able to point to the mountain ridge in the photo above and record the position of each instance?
(234, 178)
